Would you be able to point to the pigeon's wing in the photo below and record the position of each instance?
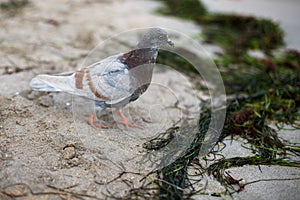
(108, 80)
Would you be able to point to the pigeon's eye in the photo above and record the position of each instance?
(160, 37)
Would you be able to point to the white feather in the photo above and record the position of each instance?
(53, 83)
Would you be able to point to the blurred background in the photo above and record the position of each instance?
(285, 13)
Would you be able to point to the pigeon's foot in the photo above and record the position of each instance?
(92, 122)
(125, 121)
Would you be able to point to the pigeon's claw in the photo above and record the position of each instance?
(92, 122)
(125, 121)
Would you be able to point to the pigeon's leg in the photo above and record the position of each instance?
(92, 121)
(125, 121)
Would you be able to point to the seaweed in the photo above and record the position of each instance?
(262, 91)
(235, 33)
(13, 7)
(188, 9)
(174, 176)
(248, 118)
(161, 140)
(218, 168)
(176, 62)
(259, 74)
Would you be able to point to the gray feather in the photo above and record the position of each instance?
(53, 83)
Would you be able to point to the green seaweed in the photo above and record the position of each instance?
(262, 90)
(246, 74)
(13, 7)
(235, 33)
(218, 168)
(248, 118)
(161, 140)
(174, 176)
(176, 62)
(188, 9)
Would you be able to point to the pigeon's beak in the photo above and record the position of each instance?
(170, 43)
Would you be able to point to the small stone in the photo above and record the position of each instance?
(32, 94)
(16, 190)
(6, 156)
(69, 152)
(20, 122)
(46, 101)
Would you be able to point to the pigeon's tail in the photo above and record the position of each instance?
(55, 83)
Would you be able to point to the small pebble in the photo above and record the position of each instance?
(46, 101)
(17, 190)
(69, 152)
(6, 156)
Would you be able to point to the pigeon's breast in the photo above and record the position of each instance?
(139, 57)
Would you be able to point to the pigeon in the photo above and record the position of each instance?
(114, 81)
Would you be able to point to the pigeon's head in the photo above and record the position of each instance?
(155, 38)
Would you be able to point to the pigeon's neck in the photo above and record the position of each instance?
(138, 57)
(146, 44)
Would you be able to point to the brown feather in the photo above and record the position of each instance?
(138, 57)
(92, 87)
(79, 78)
